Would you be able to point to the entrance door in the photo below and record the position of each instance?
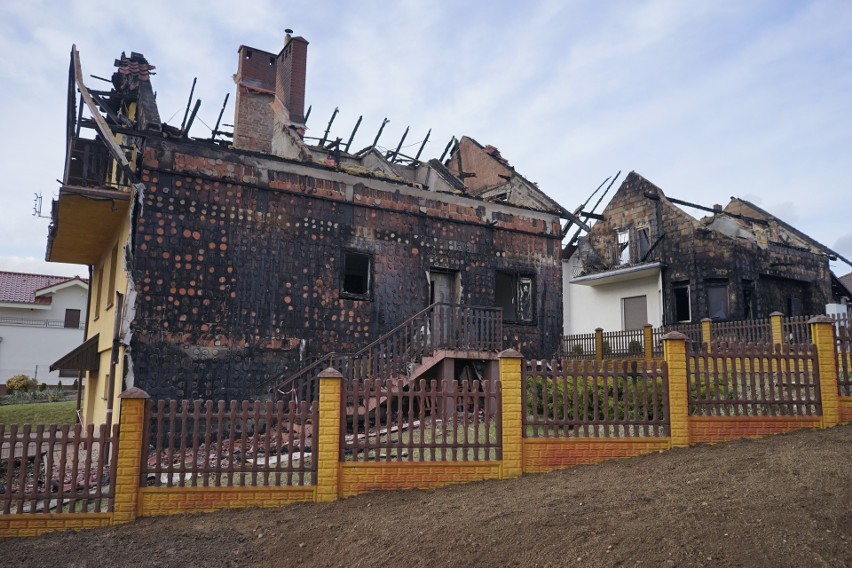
(443, 289)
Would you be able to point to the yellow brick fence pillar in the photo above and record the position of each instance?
(822, 332)
(707, 331)
(775, 322)
(328, 442)
(511, 383)
(599, 344)
(649, 341)
(129, 466)
(674, 351)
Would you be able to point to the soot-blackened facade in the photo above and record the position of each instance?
(738, 263)
(245, 259)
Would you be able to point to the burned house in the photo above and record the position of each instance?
(221, 265)
(648, 261)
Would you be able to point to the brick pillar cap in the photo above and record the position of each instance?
(133, 392)
(675, 335)
(706, 319)
(510, 353)
(648, 325)
(330, 373)
(776, 313)
(821, 319)
(598, 329)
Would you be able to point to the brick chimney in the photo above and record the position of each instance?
(290, 78)
(253, 116)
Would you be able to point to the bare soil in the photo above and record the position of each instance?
(778, 501)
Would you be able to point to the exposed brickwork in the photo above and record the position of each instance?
(159, 501)
(34, 525)
(712, 429)
(238, 266)
(290, 78)
(543, 454)
(357, 478)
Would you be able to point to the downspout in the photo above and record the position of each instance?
(85, 337)
(113, 360)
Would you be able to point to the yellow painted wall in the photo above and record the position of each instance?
(102, 321)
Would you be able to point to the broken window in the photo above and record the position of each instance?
(72, 318)
(680, 291)
(514, 293)
(356, 273)
(717, 299)
(643, 238)
(623, 247)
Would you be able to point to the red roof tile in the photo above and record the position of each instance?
(21, 287)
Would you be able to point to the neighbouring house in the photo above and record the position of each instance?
(41, 318)
(648, 261)
(222, 265)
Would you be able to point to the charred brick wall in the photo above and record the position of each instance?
(238, 265)
(695, 254)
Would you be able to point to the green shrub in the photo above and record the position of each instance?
(21, 383)
(606, 348)
(595, 400)
(577, 350)
(42, 387)
(635, 347)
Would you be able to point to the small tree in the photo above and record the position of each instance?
(21, 383)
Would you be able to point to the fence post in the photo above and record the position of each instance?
(775, 319)
(822, 332)
(129, 465)
(707, 331)
(674, 352)
(511, 383)
(328, 450)
(649, 341)
(599, 344)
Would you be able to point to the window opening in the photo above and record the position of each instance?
(635, 312)
(356, 273)
(681, 302)
(624, 247)
(717, 300)
(515, 294)
(643, 236)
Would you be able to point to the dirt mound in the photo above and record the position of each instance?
(779, 501)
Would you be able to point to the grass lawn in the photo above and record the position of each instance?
(39, 413)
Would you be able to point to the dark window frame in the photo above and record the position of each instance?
(346, 289)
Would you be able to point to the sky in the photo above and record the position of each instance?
(706, 99)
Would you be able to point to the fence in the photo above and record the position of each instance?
(194, 443)
(57, 469)
(578, 346)
(618, 344)
(591, 399)
(754, 380)
(425, 421)
(745, 331)
(843, 343)
(190, 456)
(29, 322)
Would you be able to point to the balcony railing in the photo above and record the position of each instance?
(28, 322)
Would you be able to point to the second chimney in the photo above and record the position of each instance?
(290, 78)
